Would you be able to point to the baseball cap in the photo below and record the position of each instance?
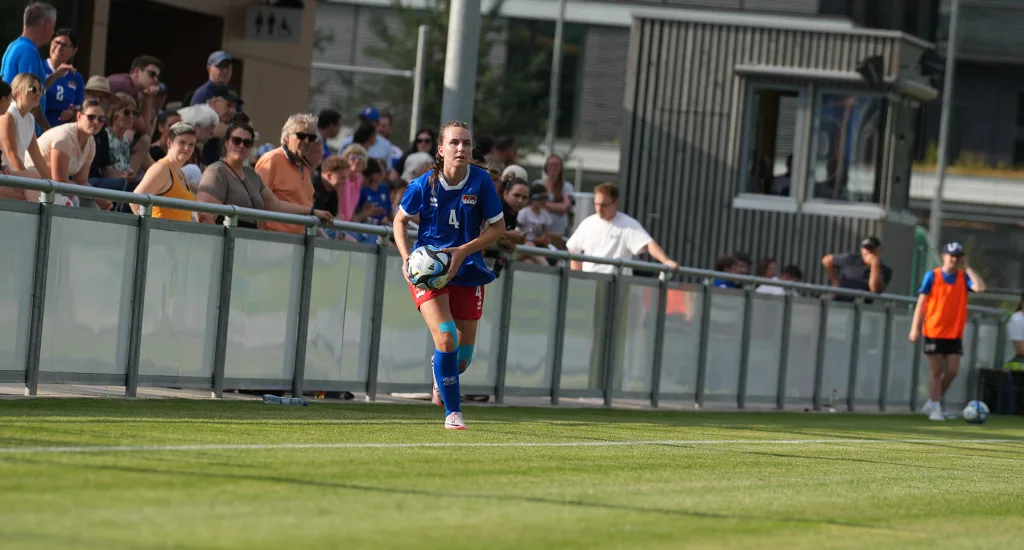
(369, 113)
(218, 57)
(953, 249)
(227, 93)
(516, 171)
(871, 243)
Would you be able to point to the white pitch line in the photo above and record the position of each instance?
(427, 445)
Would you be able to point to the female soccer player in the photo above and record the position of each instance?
(942, 304)
(453, 201)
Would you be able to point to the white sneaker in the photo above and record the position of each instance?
(929, 405)
(936, 413)
(454, 422)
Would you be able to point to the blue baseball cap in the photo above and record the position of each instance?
(953, 249)
(369, 113)
(217, 57)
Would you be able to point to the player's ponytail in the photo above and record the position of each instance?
(435, 176)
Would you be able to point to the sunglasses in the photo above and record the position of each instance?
(520, 196)
(304, 136)
(423, 140)
(353, 158)
(93, 118)
(33, 89)
(129, 112)
(241, 142)
(153, 74)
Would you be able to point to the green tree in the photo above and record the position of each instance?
(500, 108)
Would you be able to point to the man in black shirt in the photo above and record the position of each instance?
(859, 271)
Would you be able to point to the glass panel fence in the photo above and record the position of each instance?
(681, 345)
(586, 316)
(765, 345)
(804, 329)
(869, 357)
(405, 343)
(838, 347)
(634, 346)
(725, 331)
(18, 232)
(531, 330)
(901, 363)
(88, 297)
(179, 322)
(262, 321)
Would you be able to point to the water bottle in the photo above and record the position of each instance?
(275, 400)
(832, 399)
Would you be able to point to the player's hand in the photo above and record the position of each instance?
(914, 335)
(325, 217)
(458, 256)
(405, 270)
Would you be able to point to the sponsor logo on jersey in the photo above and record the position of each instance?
(433, 202)
(72, 84)
(469, 199)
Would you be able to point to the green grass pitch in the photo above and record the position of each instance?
(240, 474)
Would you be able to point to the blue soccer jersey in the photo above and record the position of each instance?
(66, 92)
(453, 215)
(381, 197)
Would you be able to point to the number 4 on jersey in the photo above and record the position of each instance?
(452, 220)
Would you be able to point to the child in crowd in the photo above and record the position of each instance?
(535, 221)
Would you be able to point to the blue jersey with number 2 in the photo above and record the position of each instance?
(452, 215)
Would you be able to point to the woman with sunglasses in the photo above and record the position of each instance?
(231, 181)
(426, 142)
(114, 146)
(18, 135)
(69, 148)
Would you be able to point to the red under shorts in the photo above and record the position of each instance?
(466, 302)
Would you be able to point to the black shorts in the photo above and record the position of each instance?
(943, 346)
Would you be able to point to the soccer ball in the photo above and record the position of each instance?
(428, 268)
(976, 412)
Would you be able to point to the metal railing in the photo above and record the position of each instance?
(119, 299)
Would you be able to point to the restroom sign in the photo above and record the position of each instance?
(271, 24)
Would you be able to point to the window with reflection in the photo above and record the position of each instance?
(847, 152)
(770, 141)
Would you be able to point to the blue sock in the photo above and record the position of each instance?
(446, 375)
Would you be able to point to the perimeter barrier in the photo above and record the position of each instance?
(105, 298)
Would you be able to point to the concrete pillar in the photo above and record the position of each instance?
(461, 61)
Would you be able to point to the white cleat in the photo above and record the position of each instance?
(936, 414)
(454, 422)
(928, 407)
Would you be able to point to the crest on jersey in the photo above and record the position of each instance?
(469, 199)
(433, 202)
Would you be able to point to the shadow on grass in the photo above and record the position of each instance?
(433, 494)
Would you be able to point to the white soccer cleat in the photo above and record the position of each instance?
(454, 422)
(936, 413)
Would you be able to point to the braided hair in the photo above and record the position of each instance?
(435, 176)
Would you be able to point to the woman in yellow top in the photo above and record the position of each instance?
(164, 177)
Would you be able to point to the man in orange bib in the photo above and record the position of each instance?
(942, 305)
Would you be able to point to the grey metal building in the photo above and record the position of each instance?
(716, 105)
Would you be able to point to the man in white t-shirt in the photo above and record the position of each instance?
(611, 234)
(1015, 333)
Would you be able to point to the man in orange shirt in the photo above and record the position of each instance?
(942, 304)
(286, 171)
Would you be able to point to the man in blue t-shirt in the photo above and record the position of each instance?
(65, 87)
(22, 55)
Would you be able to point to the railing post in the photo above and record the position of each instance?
(505, 317)
(611, 335)
(302, 323)
(561, 308)
(42, 263)
(999, 358)
(702, 350)
(883, 387)
(227, 266)
(658, 353)
(851, 381)
(819, 356)
(748, 309)
(787, 314)
(138, 306)
(972, 363)
(915, 375)
(377, 317)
